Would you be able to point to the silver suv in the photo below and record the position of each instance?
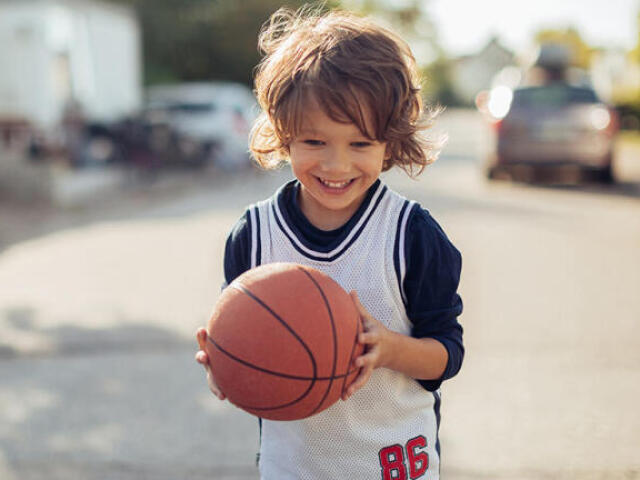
(218, 114)
(552, 126)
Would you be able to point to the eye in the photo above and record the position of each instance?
(361, 144)
(312, 142)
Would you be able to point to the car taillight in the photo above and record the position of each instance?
(614, 123)
(604, 119)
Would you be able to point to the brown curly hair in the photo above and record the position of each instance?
(342, 60)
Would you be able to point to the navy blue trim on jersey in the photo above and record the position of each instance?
(251, 212)
(237, 251)
(260, 441)
(436, 409)
(258, 259)
(365, 211)
(396, 252)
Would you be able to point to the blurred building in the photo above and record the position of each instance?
(61, 57)
(64, 65)
(614, 75)
(474, 73)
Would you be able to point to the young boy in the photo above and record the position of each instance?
(341, 103)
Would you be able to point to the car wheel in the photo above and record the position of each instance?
(497, 173)
(605, 174)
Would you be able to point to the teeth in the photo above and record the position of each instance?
(335, 184)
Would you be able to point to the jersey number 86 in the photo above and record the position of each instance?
(392, 460)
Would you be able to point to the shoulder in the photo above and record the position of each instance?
(425, 237)
(243, 247)
(237, 253)
(432, 263)
(420, 238)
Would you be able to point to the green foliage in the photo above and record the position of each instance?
(438, 84)
(409, 18)
(203, 39)
(635, 53)
(580, 51)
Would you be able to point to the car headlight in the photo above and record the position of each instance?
(499, 103)
(600, 118)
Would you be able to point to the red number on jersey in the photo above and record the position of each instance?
(392, 463)
(418, 460)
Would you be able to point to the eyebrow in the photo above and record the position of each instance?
(309, 131)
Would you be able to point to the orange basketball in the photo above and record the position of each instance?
(282, 338)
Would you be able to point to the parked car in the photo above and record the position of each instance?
(544, 127)
(217, 114)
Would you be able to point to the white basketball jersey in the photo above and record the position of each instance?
(389, 428)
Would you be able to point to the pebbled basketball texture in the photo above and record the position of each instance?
(282, 338)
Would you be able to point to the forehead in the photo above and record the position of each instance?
(324, 115)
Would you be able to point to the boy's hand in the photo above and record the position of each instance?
(203, 359)
(377, 340)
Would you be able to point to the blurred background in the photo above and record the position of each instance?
(124, 163)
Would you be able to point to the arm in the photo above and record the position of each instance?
(236, 262)
(421, 358)
(431, 285)
(434, 351)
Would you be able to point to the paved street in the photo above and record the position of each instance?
(98, 308)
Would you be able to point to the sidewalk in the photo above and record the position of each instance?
(120, 196)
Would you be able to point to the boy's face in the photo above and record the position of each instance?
(335, 164)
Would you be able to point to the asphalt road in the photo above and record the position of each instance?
(98, 309)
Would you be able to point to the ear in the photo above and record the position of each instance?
(387, 153)
(387, 162)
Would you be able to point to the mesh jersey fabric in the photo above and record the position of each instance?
(353, 439)
(430, 284)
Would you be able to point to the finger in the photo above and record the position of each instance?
(201, 337)
(359, 382)
(214, 388)
(211, 382)
(368, 360)
(364, 313)
(368, 337)
(202, 358)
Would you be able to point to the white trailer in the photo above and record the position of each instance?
(59, 53)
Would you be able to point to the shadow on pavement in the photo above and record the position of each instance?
(123, 402)
(618, 189)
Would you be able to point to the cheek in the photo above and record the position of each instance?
(372, 164)
(301, 160)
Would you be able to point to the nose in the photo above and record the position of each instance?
(337, 160)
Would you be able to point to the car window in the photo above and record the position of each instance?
(556, 95)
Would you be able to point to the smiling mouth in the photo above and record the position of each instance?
(334, 184)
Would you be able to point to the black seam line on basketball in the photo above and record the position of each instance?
(312, 383)
(277, 407)
(273, 372)
(254, 297)
(335, 337)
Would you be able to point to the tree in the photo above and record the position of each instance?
(409, 18)
(635, 53)
(438, 84)
(580, 51)
(203, 39)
